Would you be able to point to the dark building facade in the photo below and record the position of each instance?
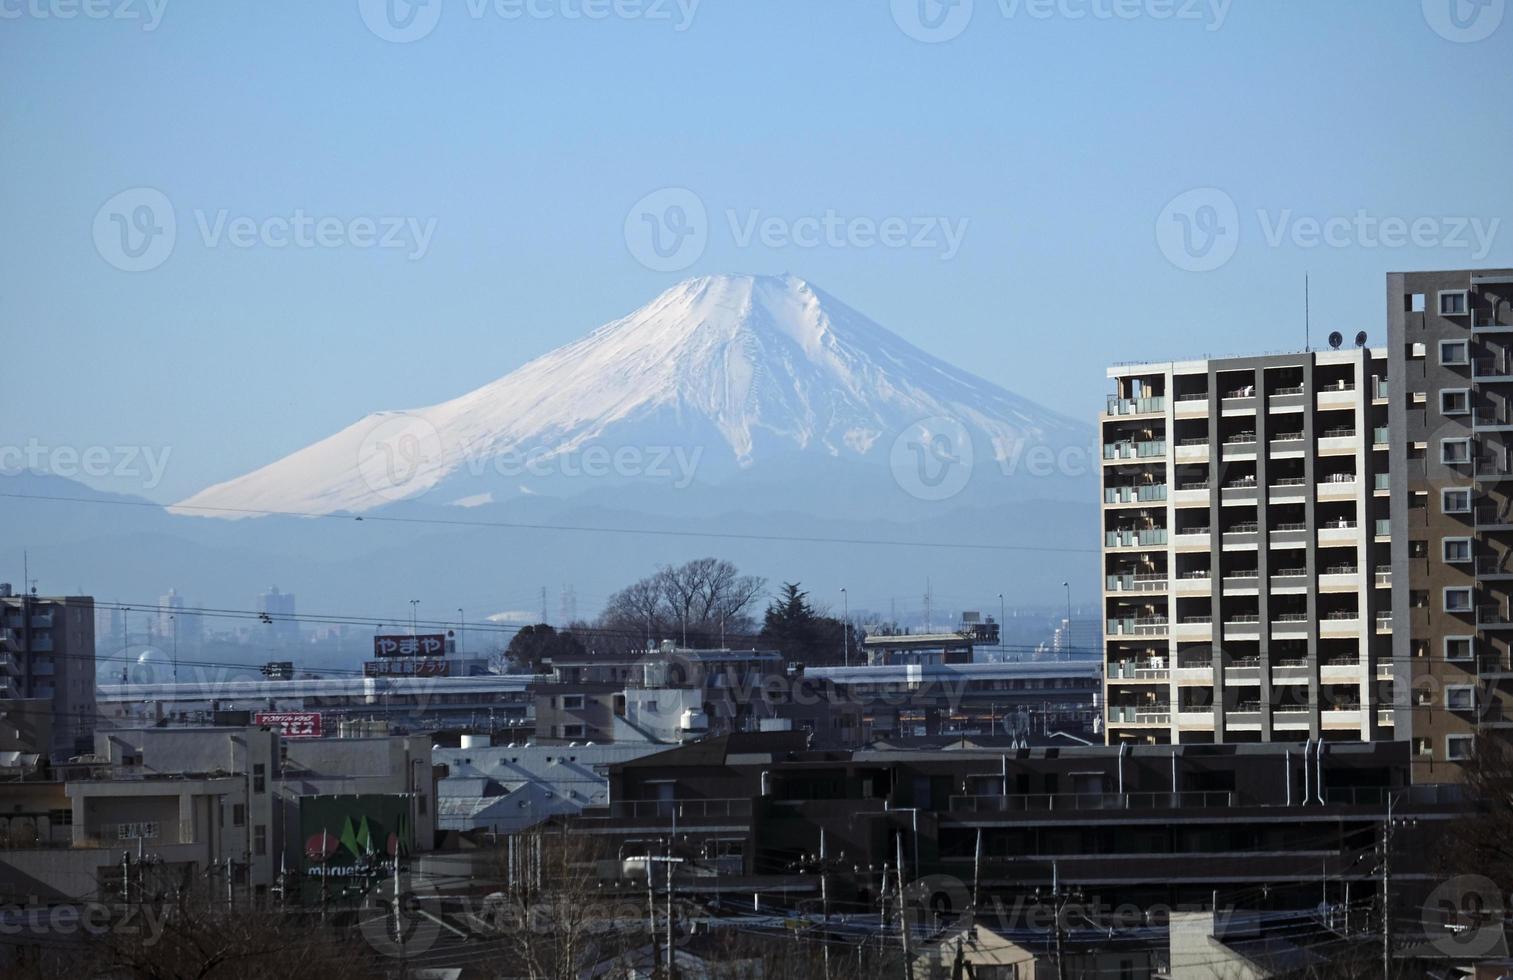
(1452, 509)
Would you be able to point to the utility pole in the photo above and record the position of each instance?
(1386, 893)
(413, 604)
(825, 905)
(976, 875)
(903, 911)
(845, 628)
(1068, 644)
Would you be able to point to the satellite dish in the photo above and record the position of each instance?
(1360, 339)
(1335, 340)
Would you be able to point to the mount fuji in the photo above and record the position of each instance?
(767, 387)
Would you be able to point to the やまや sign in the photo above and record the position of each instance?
(426, 645)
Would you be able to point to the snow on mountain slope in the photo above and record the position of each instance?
(739, 368)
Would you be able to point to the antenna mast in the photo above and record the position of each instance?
(1307, 318)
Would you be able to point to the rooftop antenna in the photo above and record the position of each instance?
(1307, 318)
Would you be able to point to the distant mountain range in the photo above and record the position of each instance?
(754, 418)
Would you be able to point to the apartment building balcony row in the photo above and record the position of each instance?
(1134, 449)
(1131, 493)
(1149, 405)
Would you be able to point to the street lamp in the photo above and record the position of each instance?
(1068, 644)
(413, 604)
(845, 627)
(462, 632)
(1002, 654)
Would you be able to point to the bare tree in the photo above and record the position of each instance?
(700, 600)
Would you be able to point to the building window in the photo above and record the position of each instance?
(1454, 352)
(1452, 302)
(1453, 451)
(572, 731)
(1459, 647)
(239, 815)
(1455, 501)
(259, 777)
(422, 807)
(1416, 302)
(1454, 401)
(259, 840)
(61, 818)
(1458, 747)
(572, 701)
(1457, 551)
(1457, 599)
(1460, 697)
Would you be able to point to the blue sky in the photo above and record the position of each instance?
(522, 143)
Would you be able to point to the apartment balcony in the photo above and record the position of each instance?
(1289, 626)
(1383, 623)
(1492, 419)
(1383, 576)
(1244, 671)
(1379, 389)
(1338, 717)
(1485, 321)
(1287, 397)
(1287, 443)
(1286, 533)
(1383, 529)
(1191, 406)
(1137, 626)
(1136, 406)
(1495, 566)
(1147, 449)
(1381, 484)
(1242, 582)
(1194, 628)
(1192, 538)
(1290, 671)
(1242, 491)
(1244, 716)
(1339, 441)
(1138, 671)
(1240, 446)
(1491, 469)
(1291, 716)
(1341, 394)
(1144, 493)
(1141, 582)
(1194, 494)
(1141, 715)
(42, 643)
(1054, 802)
(1492, 369)
(1195, 583)
(1339, 487)
(1147, 537)
(1193, 450)
(1197, 719)
(1340, 671)
(1492, 617)
(1194, 673)
(1287, 580)
(1493, 518)
(1288, 490)
(1240, 401)
(1340, 531)
(1243, 626)
(1380, 437)
(1340, 578)
(1341, 623)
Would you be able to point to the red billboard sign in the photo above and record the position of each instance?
(426, 645)
(291, 724)
(406, 668)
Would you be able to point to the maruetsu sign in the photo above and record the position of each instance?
(425, 646)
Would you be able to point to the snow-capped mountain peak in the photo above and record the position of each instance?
(734, 368)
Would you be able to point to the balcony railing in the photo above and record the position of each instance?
(1240, 439)
(1136, 406)
(1494, 564)
(683, 809)
(1289, 390)
(1193, 396)
(1132, 493)
(1490, 367)
(1043, 802)
(1135, 537)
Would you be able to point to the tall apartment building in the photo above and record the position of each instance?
(47, 653)
(1451, 344)
(1247, 550)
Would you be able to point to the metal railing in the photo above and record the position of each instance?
(1049, 802)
